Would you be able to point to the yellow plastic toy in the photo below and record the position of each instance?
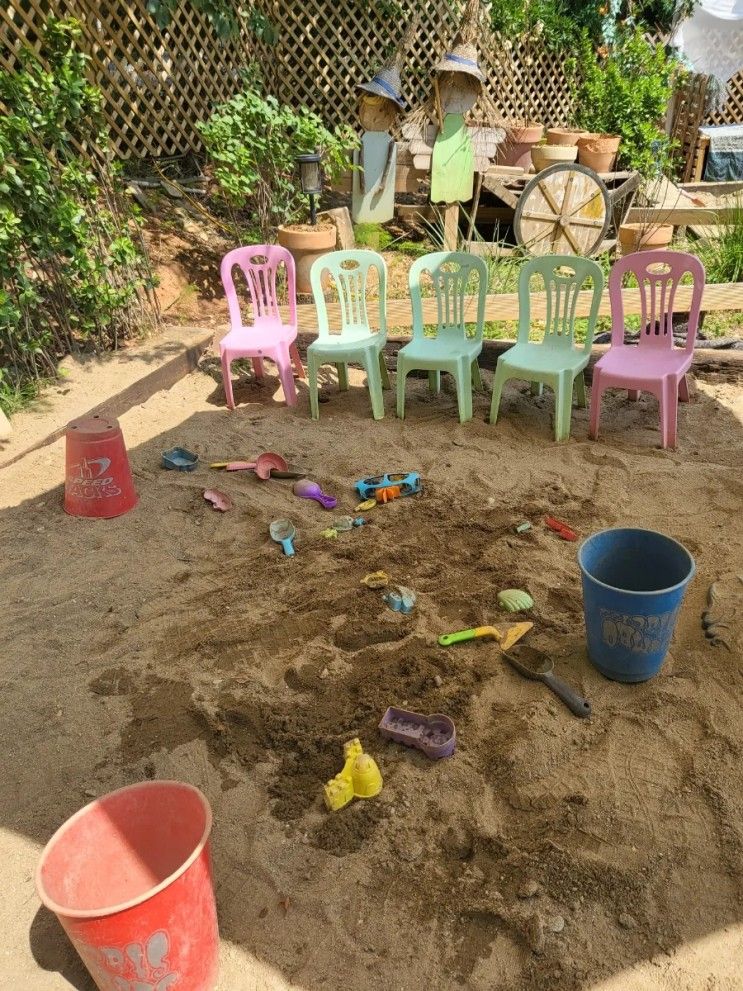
(376, 579)
(360, 778)
(365, 506)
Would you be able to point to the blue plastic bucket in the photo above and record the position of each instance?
(633, 586)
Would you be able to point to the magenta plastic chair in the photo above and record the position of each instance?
(267, 336)
(655, 365)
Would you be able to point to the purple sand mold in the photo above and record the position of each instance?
(435, 735)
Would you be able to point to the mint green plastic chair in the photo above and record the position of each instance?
(451, 349)
(356, 341)
(556, 361)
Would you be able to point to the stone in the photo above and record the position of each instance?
(528, 889)
(439, 680)
(626, 921)
(556, 924)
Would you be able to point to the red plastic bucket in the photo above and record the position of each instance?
(129, 878)
(98, 480)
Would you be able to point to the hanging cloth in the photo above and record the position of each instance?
(712, 39)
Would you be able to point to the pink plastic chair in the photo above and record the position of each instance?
(267, 337)
(655, 365)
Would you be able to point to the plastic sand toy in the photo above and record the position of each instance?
(400, 599)
(307, 489)
(179, 459)
(523, 527)
(409, 483)
(515, 599)
(376, 579)
(537, 666)
(359, 778)
(506, 640)
(263, 465)
(283, 532)
(365, 506)
(434, 735)
(388, 494)
(560, 528)
(219, 500)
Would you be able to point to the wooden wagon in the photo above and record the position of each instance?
(565, 209)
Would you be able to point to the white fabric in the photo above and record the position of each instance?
(712, 38)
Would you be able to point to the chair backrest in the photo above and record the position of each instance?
(451, 273)
(562, 277)
(658, 275)
(350, 273)
(260, 264)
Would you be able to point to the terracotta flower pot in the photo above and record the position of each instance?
(564, 136)
(642, 237)
(306, 242)
(545, 155)
(516, 149)
(598, 151)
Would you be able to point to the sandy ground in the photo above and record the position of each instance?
(177, 641)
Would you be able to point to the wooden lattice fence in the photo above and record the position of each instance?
(159, 83)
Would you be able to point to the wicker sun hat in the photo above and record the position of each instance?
(386, 82)
(462, 53)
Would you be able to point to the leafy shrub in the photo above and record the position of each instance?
(627, 92)
(722, 255)
(71, 271)
(254, 141)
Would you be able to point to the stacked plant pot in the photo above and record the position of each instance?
(561, 146)
(598, 151)
(520, 139)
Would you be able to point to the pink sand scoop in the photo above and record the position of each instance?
(263, 465)
(307, 489)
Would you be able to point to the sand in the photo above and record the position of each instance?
(549, 852)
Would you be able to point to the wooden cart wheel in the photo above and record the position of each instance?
(564, 210)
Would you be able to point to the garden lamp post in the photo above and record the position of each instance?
(309, 176)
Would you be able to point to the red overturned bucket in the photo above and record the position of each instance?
(130, 879)
(98, 479)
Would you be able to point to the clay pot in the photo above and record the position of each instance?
(305, 243)
(545, 155)
(598, 151)
(641, 237)
(564, 136)
(516, 149)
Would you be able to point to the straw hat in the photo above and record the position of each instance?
(386, 82)
(462, 55)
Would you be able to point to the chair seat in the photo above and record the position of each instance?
(634, 365)
(536, 358)
(352, 337)
(438, 350)
(263, 336)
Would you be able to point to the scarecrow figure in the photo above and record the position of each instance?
(457, 85)
(380, 103)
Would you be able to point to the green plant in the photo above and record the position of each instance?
(225, 17)
(71, 267)
(626, 90)
(254, 141)
(722, 255)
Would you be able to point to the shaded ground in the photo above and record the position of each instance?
(549, 852)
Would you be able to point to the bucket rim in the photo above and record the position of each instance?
(629, 591)
(103, 912)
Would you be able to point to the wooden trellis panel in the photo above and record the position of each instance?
(158, 84)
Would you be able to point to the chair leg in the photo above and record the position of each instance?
(499, 380)
(402, 374)
(580, 390)
(596, 394)
(386, 384)
(298, 368)
(683, 389)
(258, 368)
(633, 395)
(227, 380)
(476, 376)
(563, 406)
(668, 401)
(463, 375)
(313, 364)
(342, 370)
(537, 388)
(374, 384)
(434, 382)
(284, 364)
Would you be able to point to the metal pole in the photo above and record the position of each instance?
(313, 212)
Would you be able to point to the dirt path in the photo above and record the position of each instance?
(549, 852)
